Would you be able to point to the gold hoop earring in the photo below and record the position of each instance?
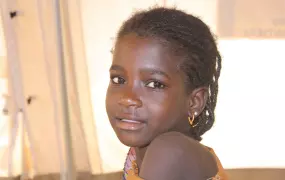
(191, 120)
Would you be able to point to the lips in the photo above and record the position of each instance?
(130, 121)
(130, 124)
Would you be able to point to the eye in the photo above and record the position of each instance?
(155, 85)
(117, 80)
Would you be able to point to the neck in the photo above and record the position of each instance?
(140, 152)
(184, 128)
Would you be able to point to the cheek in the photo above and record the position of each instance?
(166, 107)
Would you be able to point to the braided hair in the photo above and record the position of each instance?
(190, 39)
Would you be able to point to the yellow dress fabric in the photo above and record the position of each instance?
(133, 172)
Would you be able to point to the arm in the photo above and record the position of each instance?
(173, 156)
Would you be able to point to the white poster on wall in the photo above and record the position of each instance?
(256, 19)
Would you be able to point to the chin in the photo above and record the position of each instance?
(132, 139)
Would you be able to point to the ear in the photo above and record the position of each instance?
(197, 101)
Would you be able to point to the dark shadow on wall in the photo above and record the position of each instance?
(256, 174)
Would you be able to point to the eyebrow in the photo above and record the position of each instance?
(155, 71)
(152, 71)
(116, 67)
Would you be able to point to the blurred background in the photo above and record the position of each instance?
(55, 57)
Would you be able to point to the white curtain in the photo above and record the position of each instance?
(33, 56)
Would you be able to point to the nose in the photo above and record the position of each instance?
(130, 99)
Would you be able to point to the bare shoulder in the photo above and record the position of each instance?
(175, 156)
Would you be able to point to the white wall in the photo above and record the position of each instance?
(248, 131)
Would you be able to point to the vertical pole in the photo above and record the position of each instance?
(164, 3)
(70, 171)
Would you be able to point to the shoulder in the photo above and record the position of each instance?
(175, 156)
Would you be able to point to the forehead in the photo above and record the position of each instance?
(132, 50)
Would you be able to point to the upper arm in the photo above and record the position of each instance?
(171, 157)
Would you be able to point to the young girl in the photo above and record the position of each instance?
(162, 95)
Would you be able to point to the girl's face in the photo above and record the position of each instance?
(147, 94)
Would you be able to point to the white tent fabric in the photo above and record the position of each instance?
(33, 53)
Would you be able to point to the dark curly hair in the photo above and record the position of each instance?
(192, 41)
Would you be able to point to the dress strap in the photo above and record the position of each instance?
(131, 157)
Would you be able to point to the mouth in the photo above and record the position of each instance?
(129, 124)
